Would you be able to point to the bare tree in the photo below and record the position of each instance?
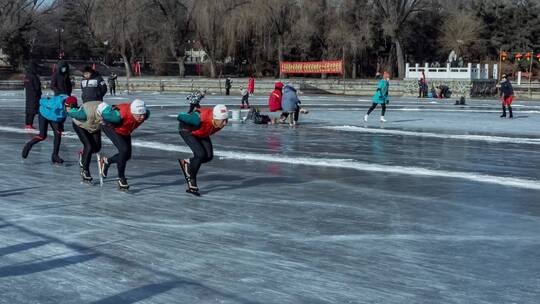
(275, 19)
(395, 14)
(213, 19)
(176, 27)
(118, 23)
(18, 18)
(460, 31)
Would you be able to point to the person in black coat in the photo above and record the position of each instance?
(93, 86)
(228, 85)
(32, 86)
(61, 80)
(112, 83)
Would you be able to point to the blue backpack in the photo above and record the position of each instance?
(52, 108)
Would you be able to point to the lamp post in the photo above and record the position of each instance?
(60, 51)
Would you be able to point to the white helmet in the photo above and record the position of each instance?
(220, 112)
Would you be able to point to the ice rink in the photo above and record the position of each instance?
(441, 204)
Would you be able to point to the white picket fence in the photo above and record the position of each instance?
(469, 72)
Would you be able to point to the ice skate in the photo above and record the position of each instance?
(366, 117)
(56, 160)
(382, 119)
(194, 191)
(85, 176)
(123, 184)
(26, 151)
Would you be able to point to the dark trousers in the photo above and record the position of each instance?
(112, 90)
(57, 127)
(245, 99)
(91, 143)
(227, 91)
(284, 115)
(203, 151)
(193, 106)
(123, 144)
(29, 119)
(374, 105)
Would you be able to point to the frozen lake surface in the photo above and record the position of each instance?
(441, 204)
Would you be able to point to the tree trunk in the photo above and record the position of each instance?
(127, 64)
(213, 73)
(181, 66)
(400, 59)
(354, 70)
(280, 54)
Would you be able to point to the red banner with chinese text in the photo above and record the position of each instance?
(315, 67)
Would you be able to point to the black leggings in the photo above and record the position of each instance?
(57, 127)
(203, 151)
(91, 142)
(29, 119)
(123, 144)
(374, 105)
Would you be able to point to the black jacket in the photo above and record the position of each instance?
(61, 82)
(506, 89)
(93, 89)
(32, 86)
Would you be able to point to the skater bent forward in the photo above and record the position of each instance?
(195, 129)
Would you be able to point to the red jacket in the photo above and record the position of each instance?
(207, 127)
(251, 85)
(274, 102)
(129, 124)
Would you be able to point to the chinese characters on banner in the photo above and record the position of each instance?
(318, 67)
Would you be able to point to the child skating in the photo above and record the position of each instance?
(120, 122)
(194, 99)
(245, 98)
(507, 96)
(195, 129)
(51, 113)
(381, 97)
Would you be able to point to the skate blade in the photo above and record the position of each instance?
(192, 192)
(99, 170)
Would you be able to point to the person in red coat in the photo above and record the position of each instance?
(120, 122)
(251, 85)
(195, 129)
(274, 101)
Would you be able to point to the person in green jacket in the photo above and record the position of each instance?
(380, 97)
(87, 125)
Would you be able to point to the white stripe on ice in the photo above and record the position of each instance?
(335, 163)
(417, 237)
(486, 138)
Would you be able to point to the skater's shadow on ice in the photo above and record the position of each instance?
(254, 182)
(175, 172)
(29, 268)
(403, 120)
(141, 293)
(155, 186)
(21, 247)
(13, 192)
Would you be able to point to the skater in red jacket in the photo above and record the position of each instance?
(251, 85)
(195, 129)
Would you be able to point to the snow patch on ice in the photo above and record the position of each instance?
(486, 138)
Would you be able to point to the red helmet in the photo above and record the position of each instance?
(71, 101)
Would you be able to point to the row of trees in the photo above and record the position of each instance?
(369, 34)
